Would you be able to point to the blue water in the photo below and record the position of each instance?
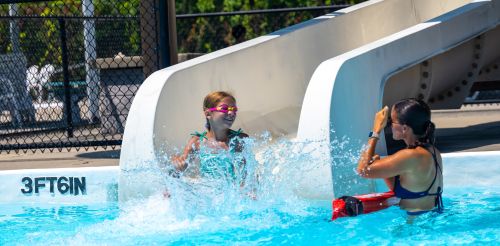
(471, 217)
(267, 211)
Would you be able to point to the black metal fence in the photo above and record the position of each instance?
(70, 69)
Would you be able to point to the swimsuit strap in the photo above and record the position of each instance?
(436, 164)
(235, 133)
(435, 160)
(439, 200)
(439, 192)
(202, 135)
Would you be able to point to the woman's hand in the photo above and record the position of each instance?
(374, 158)
(380, 119)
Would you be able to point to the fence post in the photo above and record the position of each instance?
(172, 31)
(67, 91)
(158, 42)
(149, 37)
(92, 74)
(14, 29)
(167, 33)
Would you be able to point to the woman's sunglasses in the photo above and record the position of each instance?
(390, 122)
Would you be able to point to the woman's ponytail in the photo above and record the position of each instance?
(428, 136)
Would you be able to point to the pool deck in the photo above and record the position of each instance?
(469, 129)
(73, 158)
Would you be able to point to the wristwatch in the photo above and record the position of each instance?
(373, 135)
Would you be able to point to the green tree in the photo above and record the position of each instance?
(40, 38)
(212, 33)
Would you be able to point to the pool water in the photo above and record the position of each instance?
(471, 217)
(268, 210)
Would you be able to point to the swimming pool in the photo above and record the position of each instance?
(471, 198)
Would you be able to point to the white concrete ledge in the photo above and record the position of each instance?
(83, 185)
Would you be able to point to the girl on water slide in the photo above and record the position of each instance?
(216, 152)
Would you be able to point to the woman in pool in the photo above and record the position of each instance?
(415, 173)
(218, 149)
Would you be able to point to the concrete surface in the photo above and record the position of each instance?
(471, 128)
(73, 158)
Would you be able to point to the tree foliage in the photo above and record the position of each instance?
(207, 34)
(41, 38)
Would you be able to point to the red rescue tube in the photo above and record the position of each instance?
(362, 204)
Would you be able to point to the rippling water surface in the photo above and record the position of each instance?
(265, 211)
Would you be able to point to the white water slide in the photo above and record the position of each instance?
(321, 80)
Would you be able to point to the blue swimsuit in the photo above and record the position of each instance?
(217, 164)
(403, 193)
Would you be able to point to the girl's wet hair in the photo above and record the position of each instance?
(416, 114)
(212, 99)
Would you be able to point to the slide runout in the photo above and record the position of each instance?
(268, 75)
(354, 97)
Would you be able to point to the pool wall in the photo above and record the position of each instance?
(101, 183)
(61, 185)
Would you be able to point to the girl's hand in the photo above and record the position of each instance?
(380, 119)
(179, 162)
(252, 195)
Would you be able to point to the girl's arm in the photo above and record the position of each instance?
(239, 148)
(240, 145)
(180, 162)
(240, 164)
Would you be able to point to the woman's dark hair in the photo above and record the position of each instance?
(416, 114)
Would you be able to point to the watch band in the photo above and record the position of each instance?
(374, 135)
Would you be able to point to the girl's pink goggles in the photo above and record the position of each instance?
(224, 109)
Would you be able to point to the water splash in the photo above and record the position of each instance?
(280, 175)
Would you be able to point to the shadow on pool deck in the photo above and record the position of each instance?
(480, 137)
(107, 154)
(472, 128)
(73, 158)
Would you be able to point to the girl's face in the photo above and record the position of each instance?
(222, 118)
(396, 126)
